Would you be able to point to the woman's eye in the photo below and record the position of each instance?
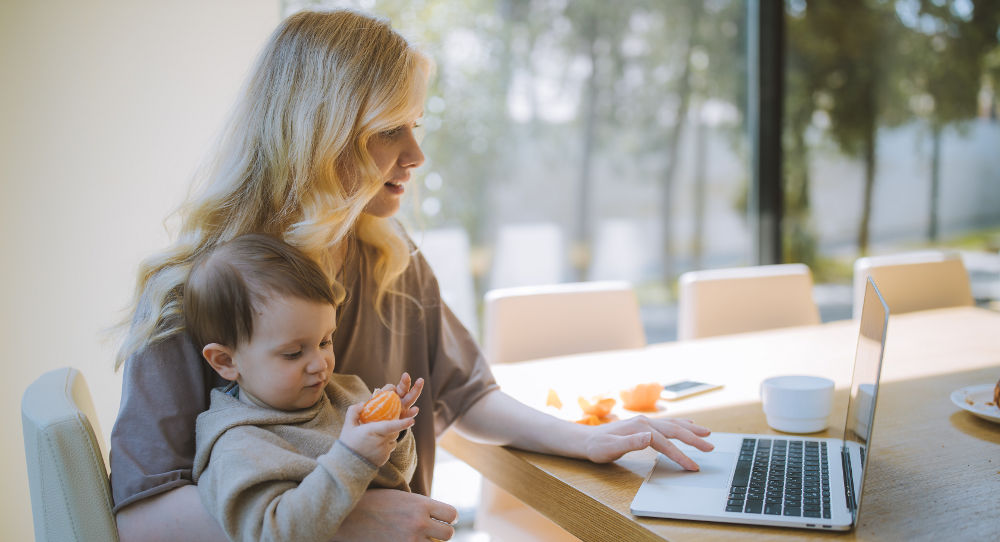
(392, 132)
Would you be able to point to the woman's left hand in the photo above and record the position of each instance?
(610, 441)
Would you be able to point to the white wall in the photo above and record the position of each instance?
(106, 108)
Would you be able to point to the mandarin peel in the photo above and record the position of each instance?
(642, 397)
(599, 407)
(552, 399)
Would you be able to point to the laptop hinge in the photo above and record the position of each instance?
(845, 458)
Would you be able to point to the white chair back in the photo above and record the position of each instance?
(742, 299)
(67, 461)
(914, 281)
(560, 319)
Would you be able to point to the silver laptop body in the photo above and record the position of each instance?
(780, 480)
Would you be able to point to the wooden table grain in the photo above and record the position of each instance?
(935, 469)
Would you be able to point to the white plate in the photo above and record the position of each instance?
(977, 400)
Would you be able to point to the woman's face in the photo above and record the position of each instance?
(395, 153)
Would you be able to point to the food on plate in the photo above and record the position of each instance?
(643, 397)
(598, 406)
(553, 399)
(384, 405)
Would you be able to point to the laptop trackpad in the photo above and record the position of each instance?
(715, 470)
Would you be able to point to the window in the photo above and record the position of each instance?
(583, 140)
(586, 140)
(891, 136)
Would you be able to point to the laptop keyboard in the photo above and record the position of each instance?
(781, 477)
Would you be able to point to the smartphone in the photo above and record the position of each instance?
(686, 388)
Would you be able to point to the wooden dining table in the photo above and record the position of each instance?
(934, 469)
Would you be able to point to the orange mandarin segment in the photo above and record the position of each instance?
(384, 405)
(642, 398)
(553, 399)
(599, 407)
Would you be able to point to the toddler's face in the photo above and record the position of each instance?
(289, 359)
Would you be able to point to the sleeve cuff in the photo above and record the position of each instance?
(344, 455)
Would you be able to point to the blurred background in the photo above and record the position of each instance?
(565, 140)
(589, 140)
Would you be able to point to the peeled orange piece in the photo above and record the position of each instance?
(599, 407)
(553, 399)
(384, 405)
(642, 398)
(590, 419)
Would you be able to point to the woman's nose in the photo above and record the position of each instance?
(411, 155)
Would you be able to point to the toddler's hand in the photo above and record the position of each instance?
(374, 441)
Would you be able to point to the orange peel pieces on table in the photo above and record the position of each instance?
(642, 397)
(552, 399)
(599, 406)
(590, 419)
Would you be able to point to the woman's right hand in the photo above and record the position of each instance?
(389, 515)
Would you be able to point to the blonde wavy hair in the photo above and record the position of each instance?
(293, 161)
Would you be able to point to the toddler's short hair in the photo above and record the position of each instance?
(226, 284)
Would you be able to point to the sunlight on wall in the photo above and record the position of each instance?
(109, 106)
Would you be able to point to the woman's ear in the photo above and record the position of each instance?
(221, 359)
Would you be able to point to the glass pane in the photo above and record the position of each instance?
(580, 140)
(891, 137)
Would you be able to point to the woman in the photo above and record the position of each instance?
(318, 152)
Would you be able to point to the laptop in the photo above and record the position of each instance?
(780, 480)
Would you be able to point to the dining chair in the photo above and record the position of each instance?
(67, 460)
(742, 299)
(531, 322)
(914, 281)
(542, 321)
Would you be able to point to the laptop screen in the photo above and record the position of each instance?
(865, 379)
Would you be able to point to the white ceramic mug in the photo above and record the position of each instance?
(797, 403)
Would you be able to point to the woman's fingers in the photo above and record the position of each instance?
(610, 446)
(413, 393)
(442, 518)
(442, 512)
(640, 432)
(437, 530)
(684, 431)
(693, 427)
(404, 384)
(663, 445)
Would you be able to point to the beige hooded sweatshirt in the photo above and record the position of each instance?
(269, 474)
